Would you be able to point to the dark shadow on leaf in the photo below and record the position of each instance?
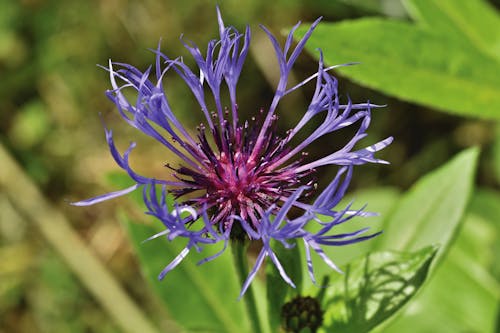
(375, 287)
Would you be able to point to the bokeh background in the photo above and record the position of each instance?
(52, 109)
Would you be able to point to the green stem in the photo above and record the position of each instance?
(239, 250)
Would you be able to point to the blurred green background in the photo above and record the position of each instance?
(52, 105)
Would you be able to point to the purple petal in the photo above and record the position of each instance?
(174, 263)
(106, 196)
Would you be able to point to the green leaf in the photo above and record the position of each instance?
(412, 63)
(462, 296)
(373, 289)
(277, 289)
(430, 212)
(200, 298)
(374, 6)
(473, 20)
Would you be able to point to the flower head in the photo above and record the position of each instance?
(237, 174)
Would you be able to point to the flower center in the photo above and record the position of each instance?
(234, 182)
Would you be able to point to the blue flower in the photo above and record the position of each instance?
(241, 173)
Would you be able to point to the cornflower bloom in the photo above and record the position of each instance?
(241, 177)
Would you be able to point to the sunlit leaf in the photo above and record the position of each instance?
(475, 21)
(430, 212)
(373, 289)
(412, 63)
(463, 296)
(386, 7)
